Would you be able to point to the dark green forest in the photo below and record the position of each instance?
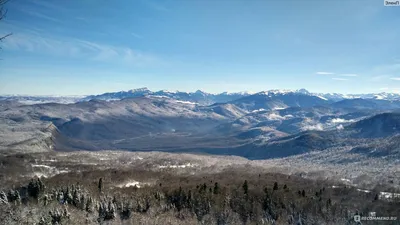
(228, 197)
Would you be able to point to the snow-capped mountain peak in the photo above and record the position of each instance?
(201, 97)
(284, 92)
(201, 92)
(244, 93)
(303, 91)
(170, 92)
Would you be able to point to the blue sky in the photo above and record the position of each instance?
(80, 47)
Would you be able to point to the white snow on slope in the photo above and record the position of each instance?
(317, 126)
(258, 110)
(340, 120)
(322, 98)
(274, 116)
(388, 195)
(365, 191)
(46, 171)
(132, 183)
(186, 102)
(177, 166)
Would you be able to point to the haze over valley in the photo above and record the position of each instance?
(341, 131)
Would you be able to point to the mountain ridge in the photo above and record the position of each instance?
(199, 96)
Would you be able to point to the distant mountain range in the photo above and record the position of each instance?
(268, 124)
(203, 98)
(198, 97)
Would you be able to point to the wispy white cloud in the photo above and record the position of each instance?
(379, 77)
(83, 19)
(386, 69)
(395, 78)
(136, 35)
(40, 12)
(325, 73)
(396, 91)
(43, 16)
(340, 79)
(384, 88)
(47, 5)
(349, 75)
(77, 48)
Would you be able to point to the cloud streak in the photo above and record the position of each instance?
(324, 73)
(136, 35)
(379, 77)
(386, 69)
(349, 75)
(43, 16)
(337, 76)
(339, 79)
(80, 49)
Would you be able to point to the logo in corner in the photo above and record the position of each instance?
(391, 3)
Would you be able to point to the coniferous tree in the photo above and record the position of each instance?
(216, 188)
(376, 198)
(3, 197)
(329, 202)
(100, 185)
(275, 186)
(245, 187)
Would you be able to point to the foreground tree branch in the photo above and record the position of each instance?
(3, 13)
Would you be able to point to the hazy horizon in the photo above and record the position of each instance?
(193, 91)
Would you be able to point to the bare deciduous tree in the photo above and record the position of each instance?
(3, 13)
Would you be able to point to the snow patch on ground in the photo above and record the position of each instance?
(340, 120)
(275, 116)
(46, 171)
(317, 126)
(365, 191)
(158, 96)
(388, 195)
(133, 183)
(322, 98)
(177, 166)
(44, 166)
(50, 160)
(345, 180)
(186, 102)
(340, 127)
(38, 174)
(258, 110)
(276, 92)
